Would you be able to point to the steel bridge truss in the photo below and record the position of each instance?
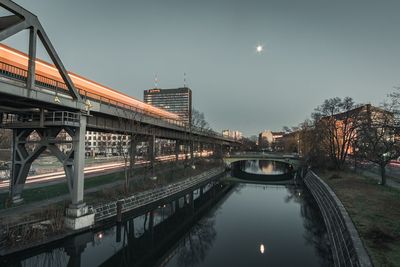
(22, 20)
(23, 157)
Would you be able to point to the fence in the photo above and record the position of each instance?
(109, 210)
(347, 248)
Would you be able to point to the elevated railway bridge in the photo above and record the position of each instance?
(37, 96)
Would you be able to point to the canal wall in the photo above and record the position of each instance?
(106, 213)
(155, 196)
(346, 245)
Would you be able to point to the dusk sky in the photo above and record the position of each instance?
(313, 50)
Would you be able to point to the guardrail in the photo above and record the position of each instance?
(347, 248)
(109, 210)
(49, 118)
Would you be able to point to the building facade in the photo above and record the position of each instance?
(105, 144)
(178, 101)
(236, 135)
(267, 139)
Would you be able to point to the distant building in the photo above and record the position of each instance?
(363, 114)
(178, 101)
(290, 142)
(232, 134)
(105, 144)
(267, 138)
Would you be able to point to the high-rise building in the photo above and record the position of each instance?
(178, 101)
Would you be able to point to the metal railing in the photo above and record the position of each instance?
(141, 199)
(34, 118)
(61, 117)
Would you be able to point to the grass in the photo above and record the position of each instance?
(375, 211)
(51, 191)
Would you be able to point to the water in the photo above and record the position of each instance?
(263, 171)
(264, 167)
(256, 225)
(226, 225)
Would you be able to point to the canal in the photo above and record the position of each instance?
(226, 224)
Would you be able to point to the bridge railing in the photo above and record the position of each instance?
(62, 117)
(33, 119)
(263, 154)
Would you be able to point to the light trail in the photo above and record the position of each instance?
(59, 175)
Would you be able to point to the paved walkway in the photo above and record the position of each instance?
(391, 182)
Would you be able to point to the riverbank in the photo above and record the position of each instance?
(375, 211)
(46, 222)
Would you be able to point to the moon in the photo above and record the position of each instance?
(259, 48)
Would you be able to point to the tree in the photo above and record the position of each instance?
(309, 145)
(128, 148)
(199, 121)
(336, 123)
(5, 138)
(378, 135)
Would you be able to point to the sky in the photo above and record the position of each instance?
(313, 50)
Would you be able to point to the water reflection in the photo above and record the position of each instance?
(194, 246)
(263, 170)
(217, 225)
(139, 241)
(264, 167)
(257, 225)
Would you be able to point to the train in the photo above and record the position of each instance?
(14, 63)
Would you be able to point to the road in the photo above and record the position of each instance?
(57, 177)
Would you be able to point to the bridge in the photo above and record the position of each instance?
(291, 159)
(44, 98)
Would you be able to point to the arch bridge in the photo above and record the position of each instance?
(293, 159)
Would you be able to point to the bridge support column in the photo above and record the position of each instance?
(26, 151)
(21, 162)
(152, 150)
(217, 150)
(78, 215)
(177, 149)
(132, 154)
(191, 147)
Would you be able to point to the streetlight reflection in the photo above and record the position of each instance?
(262, 248)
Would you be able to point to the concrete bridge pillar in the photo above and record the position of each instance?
(77, 214)
(152, 150)
(177, 149)
(79, 162)
(132, 153)
(185, 149)
(217, 150)
(191, 148)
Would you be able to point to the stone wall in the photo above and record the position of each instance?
(347, 248)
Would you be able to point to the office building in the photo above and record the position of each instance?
(178, 101)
